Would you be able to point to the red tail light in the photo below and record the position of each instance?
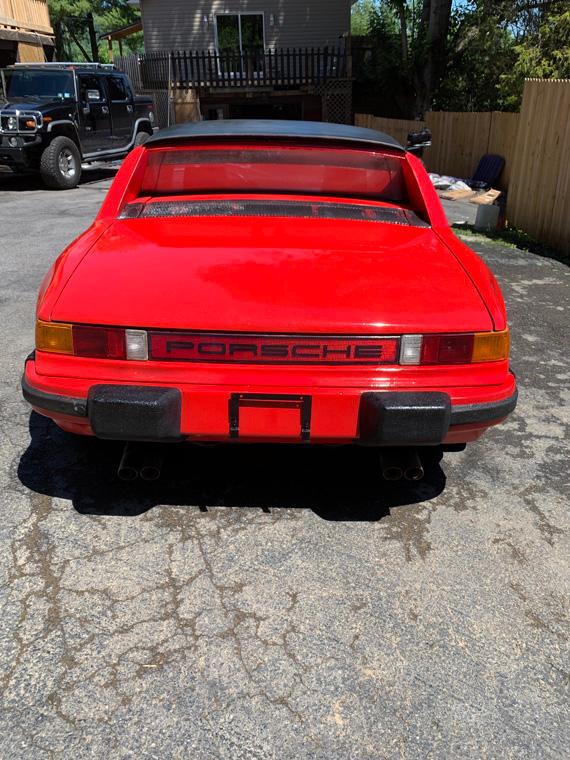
(99, 342)
(455, 348)
(241, 348)
(447, 349)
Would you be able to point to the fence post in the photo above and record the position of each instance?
(170, 103)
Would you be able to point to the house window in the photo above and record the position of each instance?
(240, 32)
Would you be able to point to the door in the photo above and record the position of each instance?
(122, 111)
(240, 40)
(95, 130)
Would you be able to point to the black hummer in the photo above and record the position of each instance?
(56, 116)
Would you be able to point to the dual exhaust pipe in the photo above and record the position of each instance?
(142, 461)
(401, 463)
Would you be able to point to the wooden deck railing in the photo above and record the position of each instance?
(270, 68)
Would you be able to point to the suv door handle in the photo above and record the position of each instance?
(105, 109)
(130, 109)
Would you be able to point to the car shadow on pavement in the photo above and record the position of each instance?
(27, 182)
(336, 483)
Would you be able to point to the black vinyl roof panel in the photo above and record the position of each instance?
(268, 128)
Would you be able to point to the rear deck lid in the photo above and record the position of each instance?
(277, 274)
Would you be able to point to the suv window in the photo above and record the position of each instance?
(118, 89)
(89, 82)
(22, 83)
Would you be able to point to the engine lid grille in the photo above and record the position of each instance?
(356, 212)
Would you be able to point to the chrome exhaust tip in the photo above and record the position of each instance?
(128, 469)
(128, 474)
(414, 473)
(391, 467)
(151, 467)
(413, 468)
(392, 473)
(150, 473)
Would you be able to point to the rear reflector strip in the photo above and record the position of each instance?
(268, 349)
(355, 212)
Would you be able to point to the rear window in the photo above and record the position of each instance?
(298, 170)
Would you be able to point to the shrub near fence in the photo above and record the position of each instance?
(535, 145)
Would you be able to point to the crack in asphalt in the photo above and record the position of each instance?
(327, 615)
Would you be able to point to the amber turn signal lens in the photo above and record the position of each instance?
(55, 337)
(491, 347)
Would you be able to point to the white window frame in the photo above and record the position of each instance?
(239, 14)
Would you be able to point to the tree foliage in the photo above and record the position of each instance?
(469, 55)
(72, 19)
(545, 53)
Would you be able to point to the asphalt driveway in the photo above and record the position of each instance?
(283, 603)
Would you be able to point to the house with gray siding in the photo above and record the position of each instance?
(207, 25)
(253, 58)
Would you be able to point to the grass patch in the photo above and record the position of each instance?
(514, 238)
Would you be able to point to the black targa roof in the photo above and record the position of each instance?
(268, 128)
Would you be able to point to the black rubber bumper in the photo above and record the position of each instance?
(51, 402)
(119, 412)
(404, 419)
(472, 413)
(135, 413)
(421, 418)
(149, 413)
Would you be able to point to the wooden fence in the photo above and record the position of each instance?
(535, 145)
(539, 192)
(458, 139)
(397, 128)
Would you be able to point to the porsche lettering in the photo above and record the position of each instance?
(259, 349)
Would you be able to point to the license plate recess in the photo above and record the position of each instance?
(288, 403)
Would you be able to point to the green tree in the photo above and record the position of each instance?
(383, 70)
(480, 47)
(78, 24)
(544, 53)
(409, 41)
(469, 55)
(362, 12)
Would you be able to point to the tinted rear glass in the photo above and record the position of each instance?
(341, 172)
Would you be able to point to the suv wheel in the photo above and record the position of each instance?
(60, 165)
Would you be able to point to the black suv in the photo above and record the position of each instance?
(54, 117)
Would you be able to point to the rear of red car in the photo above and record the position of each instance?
(274, 282)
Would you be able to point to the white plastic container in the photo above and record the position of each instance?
(487, 218)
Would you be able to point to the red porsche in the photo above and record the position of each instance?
(254, 281)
